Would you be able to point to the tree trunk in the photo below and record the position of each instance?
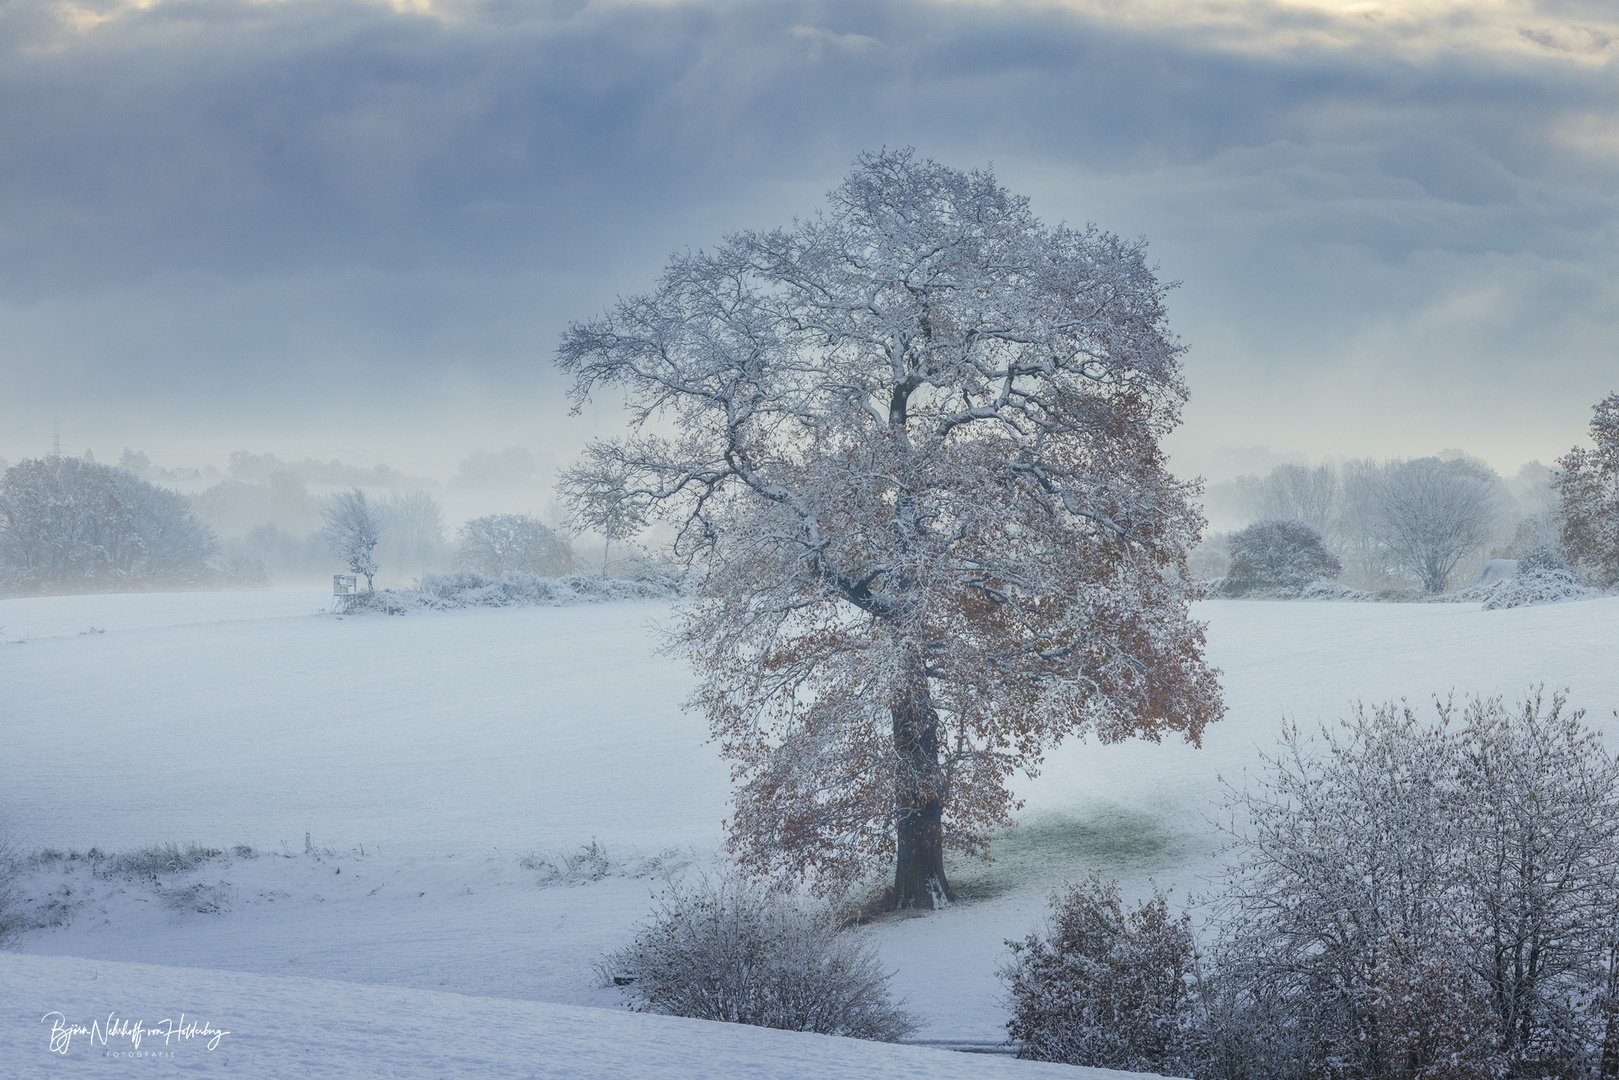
(1609, 1066)
(919, 879)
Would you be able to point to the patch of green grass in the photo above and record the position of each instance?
(1048, 849)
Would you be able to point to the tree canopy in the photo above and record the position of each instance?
(69, 524)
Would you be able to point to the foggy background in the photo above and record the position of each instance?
(352, 232)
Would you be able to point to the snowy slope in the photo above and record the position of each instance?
(426, 755)
(309, 1029)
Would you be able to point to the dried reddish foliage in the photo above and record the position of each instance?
(1435, 1019)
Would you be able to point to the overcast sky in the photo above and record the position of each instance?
(355, 229)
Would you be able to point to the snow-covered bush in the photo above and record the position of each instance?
(725, 949)
(1540, 577)
(1104, 987)
(1331, 590)
(198, 898)
(466, 588)
(1282, 554)
(589, 863)
(159, 860)
(1538, 586)
(1399, 881)
(1437, 1018)
(386, 602)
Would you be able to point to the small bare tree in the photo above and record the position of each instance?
(1310, 494)
(351, 529)
(1539, 876)
(1431, 514)
(1346, 852)
(414, 529)
(600, 500)
(912, 446)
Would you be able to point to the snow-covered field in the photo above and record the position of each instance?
(411, 789)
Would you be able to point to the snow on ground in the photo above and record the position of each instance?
(33, 618)
(426, 756)
(455, 732)
(310, 1029)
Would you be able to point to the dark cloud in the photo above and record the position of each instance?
(233, 200)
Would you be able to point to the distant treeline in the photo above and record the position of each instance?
(513, 467)
(1400, 524)
(71, 524)
(255, 468)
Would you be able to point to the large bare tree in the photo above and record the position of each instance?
(1431, 514)
(912, 446)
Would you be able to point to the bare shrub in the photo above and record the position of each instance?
(375, 603)
(159, 859)
(199, 898)
(724, 949)
(13, 916)
(593, 862)
(1104, 987)
(589, 863)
